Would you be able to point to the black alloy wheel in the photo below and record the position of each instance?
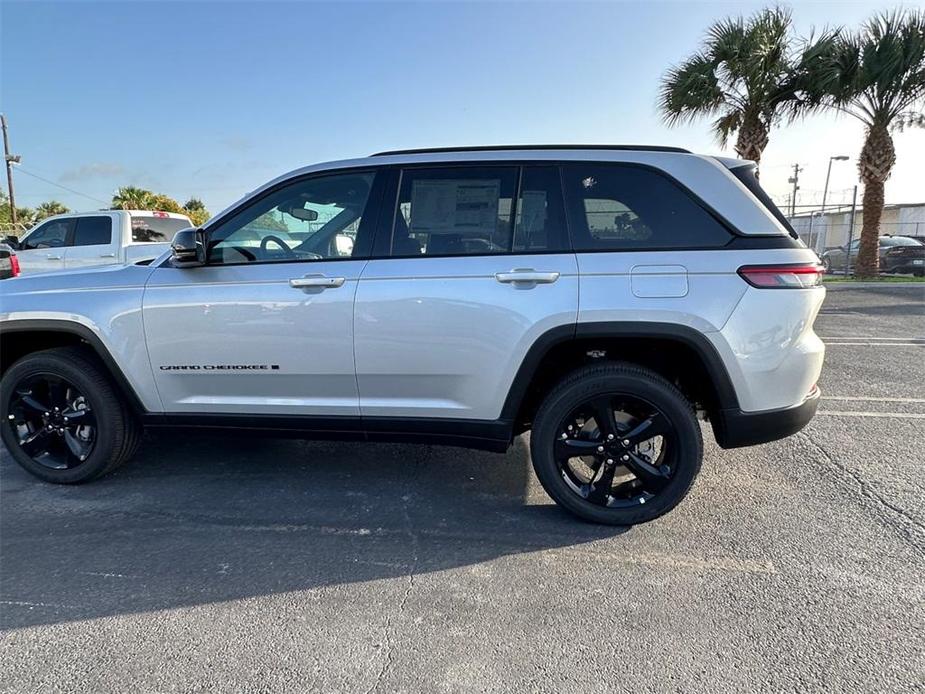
(53, 421)
(615, 450)
(616, 443)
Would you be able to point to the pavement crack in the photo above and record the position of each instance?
(898, 518)
(400, 612)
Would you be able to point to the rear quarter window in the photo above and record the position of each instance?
(620, 207)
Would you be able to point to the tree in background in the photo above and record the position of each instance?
(132, 198)
(876, 75)
(49, 209)
(24, 215)
(196, 210)
(749, 73)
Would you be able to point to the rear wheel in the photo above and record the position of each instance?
(62, 419)
(616, 444)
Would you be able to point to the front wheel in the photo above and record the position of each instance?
(63, 420)
(616, 444)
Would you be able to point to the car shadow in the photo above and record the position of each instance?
(203, 518)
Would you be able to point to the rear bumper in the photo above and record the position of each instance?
(734, 428)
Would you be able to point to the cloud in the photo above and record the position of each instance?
(95, 170)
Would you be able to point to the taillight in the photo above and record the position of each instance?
(14, 263)
(801, 276)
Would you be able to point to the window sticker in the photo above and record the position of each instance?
(454, 206)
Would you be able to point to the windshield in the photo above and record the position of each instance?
(898, 241)
(151, 229)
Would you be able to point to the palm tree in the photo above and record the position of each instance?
(877, 75)
(748, 74)
(49, 209)
(132, 198)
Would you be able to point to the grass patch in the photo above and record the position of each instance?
(883, 278)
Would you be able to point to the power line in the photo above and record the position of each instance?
(70, 190)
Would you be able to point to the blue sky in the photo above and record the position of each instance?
(213, 99)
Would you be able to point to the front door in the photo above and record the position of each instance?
(266, 327)
(478, 268)
(43, 248)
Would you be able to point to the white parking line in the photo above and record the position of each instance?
(869, 337)
(876, 344)
(889, 415)
(870, 399)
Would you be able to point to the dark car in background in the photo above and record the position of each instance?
(898, 255)
(9, 263)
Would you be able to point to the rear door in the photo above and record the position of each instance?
(94, 242)
(473, 265)
(43, 248)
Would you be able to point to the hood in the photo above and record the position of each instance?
(100, 277)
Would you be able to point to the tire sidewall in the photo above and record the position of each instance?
(106, 430)
(686, 459)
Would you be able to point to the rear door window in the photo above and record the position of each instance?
(93, 231)
(620, 207)
(539, 224)
(455, 211)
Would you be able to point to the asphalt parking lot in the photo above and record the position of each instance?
(219, 564)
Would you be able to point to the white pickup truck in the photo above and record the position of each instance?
(109, 237)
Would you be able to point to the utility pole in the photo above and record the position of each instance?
(795, 180)
(10, 159)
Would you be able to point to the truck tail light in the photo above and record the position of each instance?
(14, 264)
(802, 276)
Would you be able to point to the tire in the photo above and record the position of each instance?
(116, 433)
(678, 461)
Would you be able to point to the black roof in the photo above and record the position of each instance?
(495, 148)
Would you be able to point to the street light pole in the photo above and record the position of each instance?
(825, 191)
(10, 159)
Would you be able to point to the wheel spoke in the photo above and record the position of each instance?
(76, 414)
(79, 448)
(649, 428)
(35, 444)
(599, 487)
(602, 407)
(652, 478)
(25, 397)
(575, 448)
(57, 393)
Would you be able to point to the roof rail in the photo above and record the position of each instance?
(495, 148)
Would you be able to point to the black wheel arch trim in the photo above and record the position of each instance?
(686, 335)
(91, 339)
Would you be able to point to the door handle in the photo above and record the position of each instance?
(53, 257)
(527, 275)
(107, 255)
(316, 281)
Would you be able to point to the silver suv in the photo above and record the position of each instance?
(601, 297)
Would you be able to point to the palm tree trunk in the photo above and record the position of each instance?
(752, 139)
(874, 166)
(868, 261)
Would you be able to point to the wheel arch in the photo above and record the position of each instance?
(678, 352)
(22, 337)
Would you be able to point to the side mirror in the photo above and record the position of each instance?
(187, 249)
(12, 242)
